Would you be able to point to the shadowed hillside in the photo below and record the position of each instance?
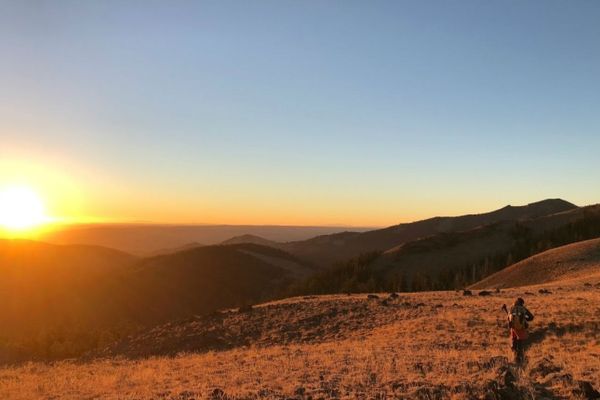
(197, 343)
(203, 279)
(328, 249)
(61, 300)
(46, 285)
(580, 261)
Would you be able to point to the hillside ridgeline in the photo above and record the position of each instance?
(578, 261)
(454, 260)
(326, 250)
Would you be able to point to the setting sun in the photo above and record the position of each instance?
(21, 208)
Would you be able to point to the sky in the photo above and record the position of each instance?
(358, 113)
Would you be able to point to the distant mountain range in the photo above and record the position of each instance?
(152, 239)
(320, 245)
(327, 249)
(451, 259)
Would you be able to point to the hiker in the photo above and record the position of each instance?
(518, 318)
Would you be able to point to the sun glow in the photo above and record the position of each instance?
(21, 209)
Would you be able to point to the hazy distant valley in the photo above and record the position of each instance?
(149, 239)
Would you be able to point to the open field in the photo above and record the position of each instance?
(433, 345)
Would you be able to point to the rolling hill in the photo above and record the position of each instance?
(576, 261)
(46, 285)
(203, 279)
(59, 300)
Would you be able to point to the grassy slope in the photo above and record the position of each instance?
(425, 345)
(579, 260)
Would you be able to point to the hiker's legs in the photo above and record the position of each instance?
(517, 345)
(519, 351)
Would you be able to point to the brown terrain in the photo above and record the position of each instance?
(96, 286)
(199, 323)
(434, 345)
(52, 293)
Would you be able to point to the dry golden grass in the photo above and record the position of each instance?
(429, 345)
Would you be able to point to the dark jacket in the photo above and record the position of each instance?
(527, 315)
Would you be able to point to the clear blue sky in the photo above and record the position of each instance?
(303, 112)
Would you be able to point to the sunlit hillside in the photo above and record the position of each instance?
(438, 345)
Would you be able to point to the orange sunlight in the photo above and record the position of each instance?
(22, 211)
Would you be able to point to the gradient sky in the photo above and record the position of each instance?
(299, 112)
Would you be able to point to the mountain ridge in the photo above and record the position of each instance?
(328, 249)
(451, 260)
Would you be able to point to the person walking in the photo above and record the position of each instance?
(518, 322)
